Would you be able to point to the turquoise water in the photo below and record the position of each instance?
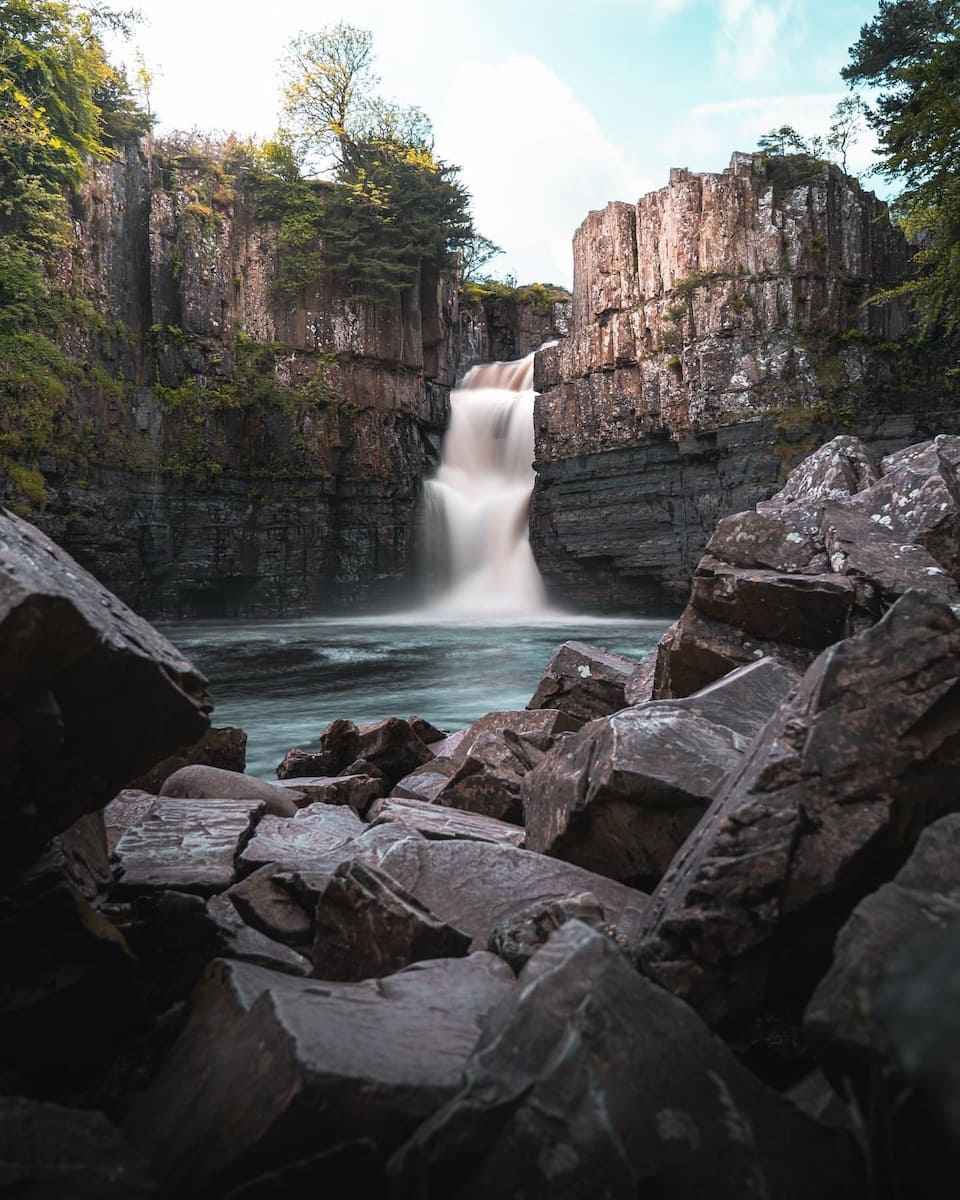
(284, 681)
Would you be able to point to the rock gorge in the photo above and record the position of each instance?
(720, 330)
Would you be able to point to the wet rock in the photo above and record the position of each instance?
(745, 699)
(338, 748)
(335, 1062)
(620, 797)
(437, 821)
(303, 841)
(448, 747)
(269, 901)
(426, 782)
(839, 783)
(185, 845)
(356, 1168)
(355, 791)
(584, 682)
(48, 1152)
(839, 469)
(298, 763)
(477, 886)
(427, 733)
(224, 748)
(519, 937)
(91, 694)
(487, 780)
(126, 809)
(240, 940)
(594, 1081)
(542, 725)
(639, 687)
(391, 746)
(210, 783)
(924, 897)
(367, 926)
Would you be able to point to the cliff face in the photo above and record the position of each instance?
(500, 328)
(718, 300)
(223, 451)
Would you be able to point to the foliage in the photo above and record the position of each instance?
(475, 254)
(540, 297)
(911, 52)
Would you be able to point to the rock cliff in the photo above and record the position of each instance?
(499, 324)
(222, 450)
(720, 330)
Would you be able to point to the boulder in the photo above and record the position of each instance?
(367, 926)
(338, 748)
(185, 845)
(448, 747)
(584, 682)
(476, 886)
(353, 1168)
(210, 783)
(520, 936)
(426, 782)
(541, 725)
(239, 940)
(427, 733)
(839, 783)
(302, 842)
(298, 763)
(269, 900)
(924, 897)
(639, 687)
(595, 1082)
(270, 1069)
(126, 809)
(391, 746)
(436, 821)
(356, 791)
(223, 748)
(789, 541)
(48, 1152)
(487, 779)
(91, 694)
(839, 469)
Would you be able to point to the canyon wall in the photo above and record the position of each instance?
(720, 330)
(509, 323)
(222, 451)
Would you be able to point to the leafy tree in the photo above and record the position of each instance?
(846, 125)
(911, 52)
(784, 140)
(475, 253)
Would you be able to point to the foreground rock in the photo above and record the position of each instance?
(91, 694)
(820, 561)
(584, 681)
(436, 821)
(840, 782)
(301, 842)
(596, 1082)
(224, 748)
(210, 783)
(620, 797)
(334, 1063)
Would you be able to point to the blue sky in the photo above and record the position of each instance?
(551, 107)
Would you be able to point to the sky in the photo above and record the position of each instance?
(550, 107)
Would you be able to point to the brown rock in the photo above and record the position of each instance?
(367, 926)
(392, 746)
(584, 682)
(241, 941)
(427, 733)
(426, 782)
(269, 901)
(640, 686)
(487, 779)
(185, 845)
(787, 541)
(92, 695)
(210, 783)
(335, 1062)
(355, 791)
(304, 841)
(298, 763)
(126, 809)
(225, 749)
(519, 937)
(437, 821)
(842, 779)
(543, 724)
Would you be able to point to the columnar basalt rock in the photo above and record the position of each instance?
(719, 329)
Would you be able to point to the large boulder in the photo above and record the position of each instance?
(299, 843)
(584, 681)
(436, 821)
(91, 694)
(270, 1068)
(201, 782)
(595, 1082)
(833, 792)
(223, 748)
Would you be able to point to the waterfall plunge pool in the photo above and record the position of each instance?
(284, 681)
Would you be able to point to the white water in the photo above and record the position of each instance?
(478, 505)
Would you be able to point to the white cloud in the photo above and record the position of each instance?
(751, 37)
(535, 160)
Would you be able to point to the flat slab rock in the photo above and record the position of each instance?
(298, 843)
(333, 1062)
(584, 681)
(595, 1082)
(355, 791)
(185, 846)
(477, 886)
(842, 778)
(438, 821)
(92, 695)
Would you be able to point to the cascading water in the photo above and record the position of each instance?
(478, 505)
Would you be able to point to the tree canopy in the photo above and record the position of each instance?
(911, 53)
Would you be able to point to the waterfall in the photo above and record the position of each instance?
(478, 505)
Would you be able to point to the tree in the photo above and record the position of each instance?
(911, 53)
(782, 141)
(846, 125)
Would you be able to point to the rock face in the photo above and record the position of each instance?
(91, 694)
(728, 298)
(501, 328)
(229, 453)
(648, 1103)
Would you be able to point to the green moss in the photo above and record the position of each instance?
(26, 483)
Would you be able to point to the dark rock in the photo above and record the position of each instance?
(620, 797)
(488, 779)
(340, 742)
(223, 748)
(355, 791)
(839, 783)
(240, 940)
(367, 926)
(85, 855)
(477, 886)
(745, 699)
(367, 770)
(210, 783)
(519, 937)
(788, 541)
(639, 687)
(298, 763)
(427, 733)
(126, 809)
(52, 1153)
(268, 900)
(839, 469)
(334, 1062)
(426, 782)
(924, 896)
(92, 695)
(542, 724)
(437, 821)
(584, 682)
(356, 1168)
(392, 746)
(594, 1081)
(185, 845)
(300, 843)
(448, 747)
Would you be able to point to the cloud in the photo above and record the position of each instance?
(752, 37)
(535, 159)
